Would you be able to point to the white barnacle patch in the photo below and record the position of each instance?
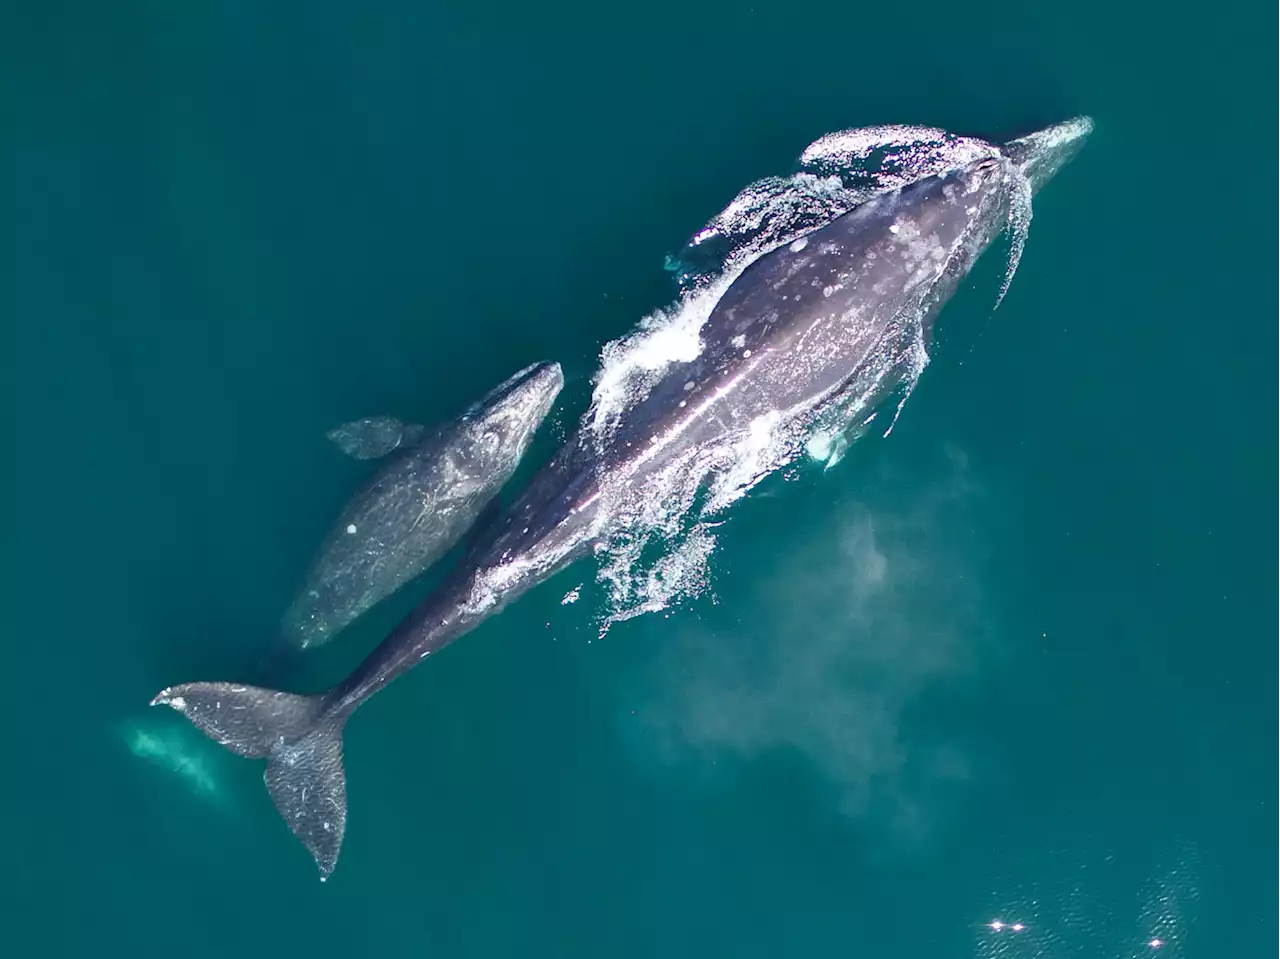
(739, 341)
(893, 228)
(921, 248)
(799, 244)
(178, 703)
(688, 387)
(828, 290)
(746, 353)
(351, 529)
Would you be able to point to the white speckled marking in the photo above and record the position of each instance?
(689, 386)
(799, 244)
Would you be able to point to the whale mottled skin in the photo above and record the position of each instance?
(797, 330)
(420, 503)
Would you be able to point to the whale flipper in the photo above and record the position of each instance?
(301, 743)
(374, 436)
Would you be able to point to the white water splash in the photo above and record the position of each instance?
(834, 174)
(679, 574)
(629, 366)
(1019, 225)
(891, 156)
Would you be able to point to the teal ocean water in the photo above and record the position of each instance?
(1000, 685)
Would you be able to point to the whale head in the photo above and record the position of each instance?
(506, 418)
(1040, 155)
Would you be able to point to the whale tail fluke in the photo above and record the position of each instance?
(301, 742)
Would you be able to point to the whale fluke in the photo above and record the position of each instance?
(301, 742)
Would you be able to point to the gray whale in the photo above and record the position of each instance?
(802, 328)
(431, 490)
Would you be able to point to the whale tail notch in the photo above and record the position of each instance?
(301, 742)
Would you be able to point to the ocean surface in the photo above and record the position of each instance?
(1002, 684)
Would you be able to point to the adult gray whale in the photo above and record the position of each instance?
(418, 505)
(797, 333)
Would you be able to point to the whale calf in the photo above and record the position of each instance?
(419, 504)
(809, 332)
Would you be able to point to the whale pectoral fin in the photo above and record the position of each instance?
(374, 436)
